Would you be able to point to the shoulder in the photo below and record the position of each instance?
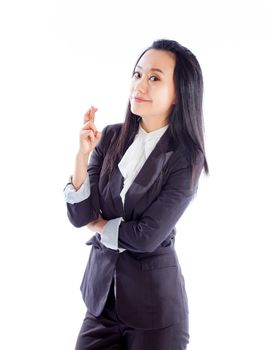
(113, 127)
(109, 134)
(111, 130)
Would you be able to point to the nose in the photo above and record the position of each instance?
(141, 85)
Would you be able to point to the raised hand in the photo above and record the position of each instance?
(88, 139)
(89, 136)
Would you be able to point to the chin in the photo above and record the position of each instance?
(138, 110)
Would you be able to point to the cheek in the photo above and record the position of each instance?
(170, 95)
(165, 97)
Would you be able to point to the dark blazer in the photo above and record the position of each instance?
(150, 290)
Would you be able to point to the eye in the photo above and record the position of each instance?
(153, 76)
(136, 74)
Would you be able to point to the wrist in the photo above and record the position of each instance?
(81, 157)
(101, 225)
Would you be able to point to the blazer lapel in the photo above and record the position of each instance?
(149, 172)
(115, 186)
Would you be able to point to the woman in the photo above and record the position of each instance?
(141, 176)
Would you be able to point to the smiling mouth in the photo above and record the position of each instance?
(137, 99)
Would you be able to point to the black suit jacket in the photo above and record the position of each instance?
(150, 290)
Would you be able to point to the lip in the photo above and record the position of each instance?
(140, 100)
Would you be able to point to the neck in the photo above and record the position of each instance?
(149, 126)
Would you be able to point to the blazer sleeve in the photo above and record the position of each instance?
(157, 222)
(81, 212)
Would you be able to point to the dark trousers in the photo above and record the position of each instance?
(108, 332)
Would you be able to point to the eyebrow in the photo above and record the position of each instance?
(153, 69)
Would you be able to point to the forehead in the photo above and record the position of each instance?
(164, 60)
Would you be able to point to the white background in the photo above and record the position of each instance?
(59, 57)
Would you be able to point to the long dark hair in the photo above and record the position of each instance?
(186, 117)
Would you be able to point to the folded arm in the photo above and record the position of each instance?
(157, 222)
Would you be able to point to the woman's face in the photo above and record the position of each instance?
(152, 92)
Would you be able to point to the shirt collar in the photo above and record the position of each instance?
(152, 134)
